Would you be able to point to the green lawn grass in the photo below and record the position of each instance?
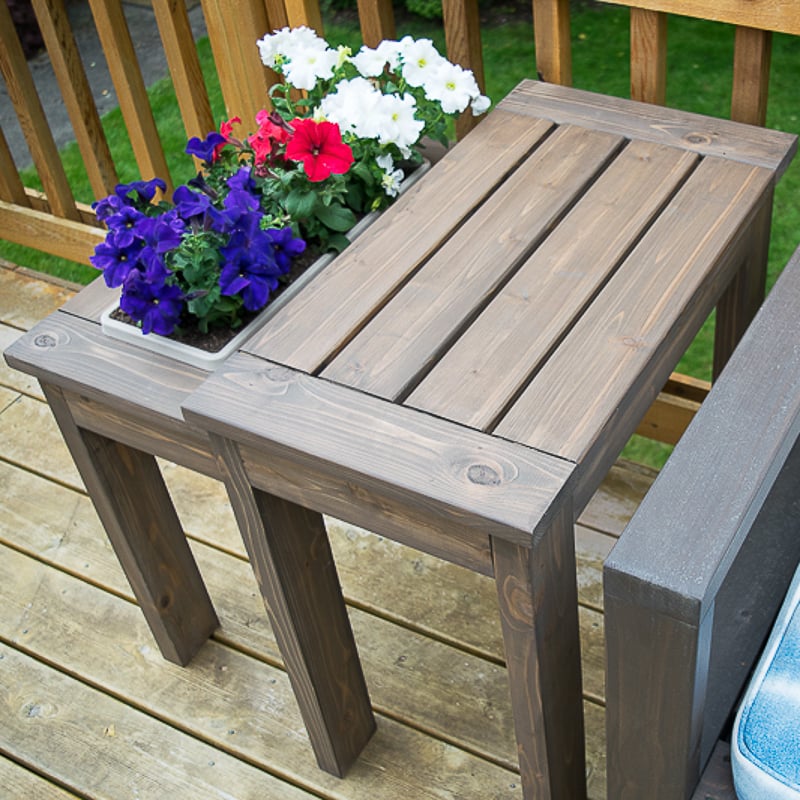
(699, 70)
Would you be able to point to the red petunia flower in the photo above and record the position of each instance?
(320, 147)
(226, 131)
(268, 139)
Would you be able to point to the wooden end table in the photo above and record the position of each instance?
(464, 375)
(459, 380)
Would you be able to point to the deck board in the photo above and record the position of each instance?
(77, 645)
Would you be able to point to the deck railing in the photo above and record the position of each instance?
(54, 222)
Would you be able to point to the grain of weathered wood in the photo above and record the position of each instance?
(538, 609)
(700, 134)
(298, 581)
(551, 27)
(132, 501)
(752, 56)
(393, 351)
(36, 228)
(618, 351)
(12, 190)
(460, 697)
(91, 301)
(425, 468)
(229, 700)
(493, 360)
(75, 355)
(310, 329)
(21, 782)
(77, 95)
(648, 56)
(377, 21)
(25, 300)
(745, 293)
(12, 378)
(100, 747)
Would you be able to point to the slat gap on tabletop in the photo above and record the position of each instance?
(306, 330)
(512, 399)
(404, 341)
(500, 354)
(684, 264)
(441, 246)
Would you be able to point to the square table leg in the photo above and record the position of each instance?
(537, 591)
(745, 294)
(134, 506)
(290, 554)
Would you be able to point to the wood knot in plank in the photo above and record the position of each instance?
(45, 340)
(484, 475)
(698, 138)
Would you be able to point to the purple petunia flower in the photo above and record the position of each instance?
(115, 262)
(157, 306)
(206, 149)
(285, 247)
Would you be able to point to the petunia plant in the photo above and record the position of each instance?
(320, 159)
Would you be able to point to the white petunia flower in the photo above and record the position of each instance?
(352, 107)
(392, 178)
(372, 62)
(305, 66)
(277, 46)
(396, 122)
(452, 86)
(480, 105)
(420, 59)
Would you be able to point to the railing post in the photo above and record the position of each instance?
(234, 26)
(462, 30)
(649, 56)
(551, 28)
(377, 21)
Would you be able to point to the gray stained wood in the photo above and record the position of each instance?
(123, 718)
(695, 581)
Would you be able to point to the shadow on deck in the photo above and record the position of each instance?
(91, 709)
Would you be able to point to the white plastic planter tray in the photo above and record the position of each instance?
(209, 361)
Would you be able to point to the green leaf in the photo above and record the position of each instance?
(336, 217)
(300, 203)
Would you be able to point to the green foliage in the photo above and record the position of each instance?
(428, 9)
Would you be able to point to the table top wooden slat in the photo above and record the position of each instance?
(495, 357)
(648, 312)
(457, 281)
(75, 354)
(459, 476)
(708, 136)
(336, 304)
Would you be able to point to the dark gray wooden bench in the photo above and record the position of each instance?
(693, 585)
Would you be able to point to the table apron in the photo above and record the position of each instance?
(163, 437)
(387, 511)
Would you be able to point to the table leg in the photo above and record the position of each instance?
(538, 598)
(135, 508)
(742, 299)
(290, 554)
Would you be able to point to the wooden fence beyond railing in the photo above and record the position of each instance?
(52, 221)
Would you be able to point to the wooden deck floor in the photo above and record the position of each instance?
(90, 709)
